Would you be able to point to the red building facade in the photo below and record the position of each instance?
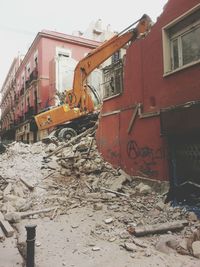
(36, 80)
(7, 98)
(139, 129)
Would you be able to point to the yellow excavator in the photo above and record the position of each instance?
(80, 110)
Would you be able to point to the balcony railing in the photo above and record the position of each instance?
(30, 112)
(27, 83)
(21, 119)
(22, 91)
(16, 99)
(6, 110)
(33, 75)
(13, 83)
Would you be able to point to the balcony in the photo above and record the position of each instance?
(16, 99)
(27, 83)
(33, 75)
(16, 122)
(30, 112)
(12, 125)
(13, 83)
(21, 91)
(21, 119)
(6, 110)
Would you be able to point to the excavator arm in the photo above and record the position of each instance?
(78, 100)
(85, 66)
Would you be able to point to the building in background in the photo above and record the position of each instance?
(46, 71)
(8, 101)
(33, 83)
(96, 31)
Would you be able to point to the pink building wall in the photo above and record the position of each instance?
(37, 91)
(45, 45)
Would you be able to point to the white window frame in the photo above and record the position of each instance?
(35, 57)
(167, 43)
(61, 51)
(28, 70)
(22, 79)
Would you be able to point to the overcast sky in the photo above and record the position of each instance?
(20, 20)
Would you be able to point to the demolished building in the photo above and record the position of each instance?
(154, 115)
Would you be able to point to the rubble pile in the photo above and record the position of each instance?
(50, 179)
(22, 161)
(73, 176)
(20, 167)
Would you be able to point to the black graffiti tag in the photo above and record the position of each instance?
(133, 149)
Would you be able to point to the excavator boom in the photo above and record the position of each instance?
(78, 101)
(104, 51)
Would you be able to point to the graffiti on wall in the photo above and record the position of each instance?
(146, 157)
(112, 153)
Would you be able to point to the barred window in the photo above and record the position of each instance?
(113, 80)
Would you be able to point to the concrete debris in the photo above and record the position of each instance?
(159, 228)
(194, 236)
(140, 243)
(96, 249)
(27, 183)
(2, 236)
(192, 216)
(6, 227)
(144, 188)
(7, 189)
(184, 246)
(167, 244)
(130, 247)
(118, 182)
(98, 206)
(44, 181)
(114, 192)
(3, 184)
(108, 220)
(160, 206)
(50, 148)
(17, 216)
(124, 235)
(196, 249)
(53, 165)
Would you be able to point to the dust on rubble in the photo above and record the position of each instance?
(39, 180)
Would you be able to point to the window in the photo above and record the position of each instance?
(113, 80)
(181, 42)
(28, 70)
(28, 102)
(64, 69)
(115, 57)
(185, 48)
(22, 79)
(36, 59)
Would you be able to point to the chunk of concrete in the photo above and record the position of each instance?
(7, 228)
(196, 249)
